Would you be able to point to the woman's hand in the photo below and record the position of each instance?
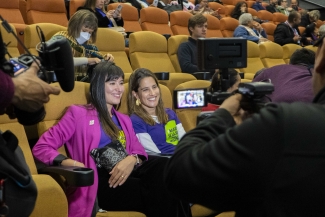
(121, 171)
(110, 13)
(93, 60)
(71, 162)
(109, 57)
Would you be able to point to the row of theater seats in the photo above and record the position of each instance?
(56, 205)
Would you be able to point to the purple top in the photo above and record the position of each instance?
(79, 130)
(159, 132)
(292, 83)
(7, 90)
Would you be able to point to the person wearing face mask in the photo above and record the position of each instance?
(81, 33)
(157, 128)
(105, 18)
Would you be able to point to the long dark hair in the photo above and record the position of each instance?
(134, 84)
(103, 72)
(237, 12)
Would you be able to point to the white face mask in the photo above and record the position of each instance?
(83, 37)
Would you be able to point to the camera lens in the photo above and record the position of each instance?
(29, 118)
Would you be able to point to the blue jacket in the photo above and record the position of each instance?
(240, 31)
(257, 6)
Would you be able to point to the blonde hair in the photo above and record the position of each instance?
(315, 14)
(134, 84)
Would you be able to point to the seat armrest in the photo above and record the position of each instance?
(75, 176)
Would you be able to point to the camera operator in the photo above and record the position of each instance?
(25, 91)
(271, 164)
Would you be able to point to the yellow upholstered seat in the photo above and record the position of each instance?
(288, 50)
(173, 44)
(271, 54)
(10, 40)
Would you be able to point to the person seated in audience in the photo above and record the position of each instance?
(234, 80)
(295, 5)
(157, 128)
(310, 36)
(134, 184)
(240, 8)
(291, 81)
(257, 6)
(202, 7)
(187, 6)
(250, 29)
(309, 20)
(283, 7)
(105, 18)
(187, 51)
(272, 7)
(271, 164)
(135, 4)
(81, 34)
(321, 31)
(288, 32)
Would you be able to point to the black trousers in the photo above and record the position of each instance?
(144, 191)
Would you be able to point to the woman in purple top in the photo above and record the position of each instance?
(128, 186)
(157, 128)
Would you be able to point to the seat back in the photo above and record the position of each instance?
(288, 50)
(265, 15)
(228, 26)
(49, 11)
(130, 17)
(252, 11)
(254, 62)
(250, 3)
(216, 6)
(188, 116)
(31, 36)
(271, 54)
(179, 22)
(116, 48)
(213, 26)
(9, 10)
(228, 10)
(311, 47)
(301, 29)
(269, 28)
(155, 19)
(10, 40)
(74, 5)
(165, 95)
(149, 50)
(228, 2)
(173, 44)
(279, 18)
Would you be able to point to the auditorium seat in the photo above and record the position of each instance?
(115, 46)
(269, 28)
(216, 6)
(23, 10)
(319, 23)
(52, 206)
(311, 47)
(10, 11)
(179, 22)
(49, 11)
(74, 5)
(228, 26)
(173, 44)
(31, 36)
(254, 62)
(149, 50)
(252, 11)
(301, 29)
(10, 40)
(227, 2)
(265, 15)
(155, 19)
(188, 116)
(130, 17)
(213, 27)
(228, 10)
(271, 54)
(250, 3)
(288, 50)
(279, 18)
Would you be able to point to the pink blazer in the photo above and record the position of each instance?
(79, 130)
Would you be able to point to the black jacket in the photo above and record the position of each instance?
(283, 34)
(103, 21)
(271, 8)
(310, 26)
(187, 56)
(273, 164)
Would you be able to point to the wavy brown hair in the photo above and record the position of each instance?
(134, 84)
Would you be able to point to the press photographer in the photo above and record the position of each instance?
(271, 164)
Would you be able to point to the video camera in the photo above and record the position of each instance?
(56, 61)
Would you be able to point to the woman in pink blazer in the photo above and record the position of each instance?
(128, 186)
